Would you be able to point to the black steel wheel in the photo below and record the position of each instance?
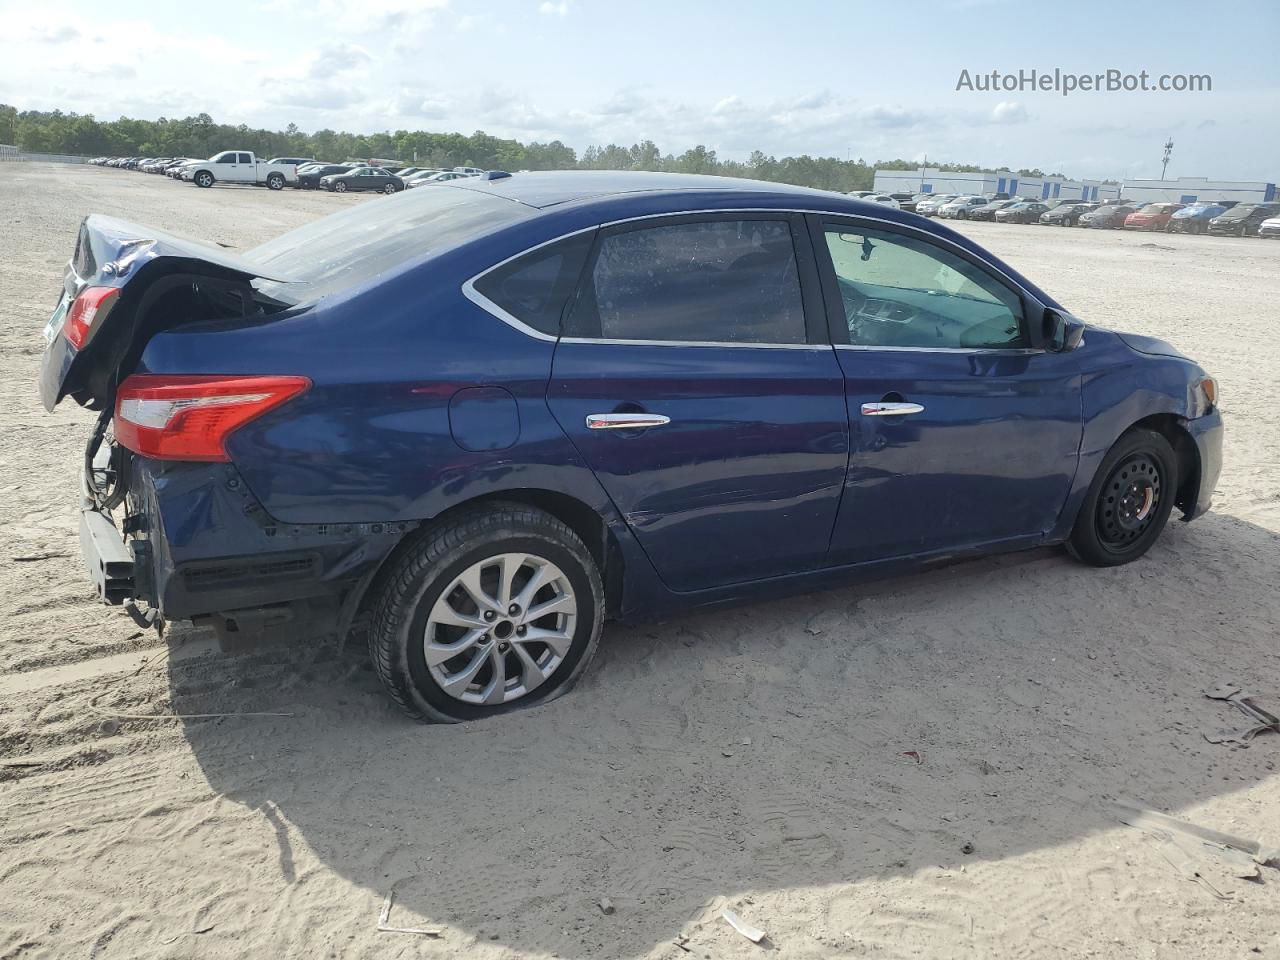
(1128, 502)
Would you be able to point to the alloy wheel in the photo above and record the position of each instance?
(500, 629)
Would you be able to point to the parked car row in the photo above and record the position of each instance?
(1222, 218)
(304, 173)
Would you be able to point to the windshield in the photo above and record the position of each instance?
(348, 248)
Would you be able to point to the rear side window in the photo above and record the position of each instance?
(534, 288)
(245, 158)
(719, 281)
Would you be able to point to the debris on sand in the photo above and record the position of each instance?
(754, 934)
(1260, 719)
(606, 906)
(384, 922)
(1214, 860)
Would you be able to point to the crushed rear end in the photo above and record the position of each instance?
(162, 510)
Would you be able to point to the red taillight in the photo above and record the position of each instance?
(91, 302)
(190, 418)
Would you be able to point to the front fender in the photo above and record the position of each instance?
(1121, 387)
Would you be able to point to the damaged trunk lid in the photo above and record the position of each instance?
(114, 285)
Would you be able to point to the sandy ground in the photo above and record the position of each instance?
(755, 758)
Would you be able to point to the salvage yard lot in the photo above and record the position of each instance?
(921, 766)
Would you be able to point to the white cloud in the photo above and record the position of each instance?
(310, 95)
(550, 9)
(59, 34)
(336, 59)
(1009, 111)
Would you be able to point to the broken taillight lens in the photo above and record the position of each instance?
(88, 305)
(190, 417)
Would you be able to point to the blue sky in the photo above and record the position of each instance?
(872, 80)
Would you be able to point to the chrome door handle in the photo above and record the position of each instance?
(883, 408)
(625, 421)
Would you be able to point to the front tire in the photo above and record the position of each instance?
(204, 179)
(340, 187)
(495, 610)
(389, 188)
(1128, 502)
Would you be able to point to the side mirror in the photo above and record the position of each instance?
(1062, 332)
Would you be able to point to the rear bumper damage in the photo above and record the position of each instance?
(195, 544)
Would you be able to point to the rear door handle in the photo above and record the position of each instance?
(883, 408)
(625, 421)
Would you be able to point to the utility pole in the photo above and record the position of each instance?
(1168, 152)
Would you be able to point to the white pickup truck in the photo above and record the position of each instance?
(239, 166)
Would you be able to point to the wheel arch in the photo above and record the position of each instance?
(577, 515)
(1173, 428)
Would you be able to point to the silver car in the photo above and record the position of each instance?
(961, 207)
(930, 207)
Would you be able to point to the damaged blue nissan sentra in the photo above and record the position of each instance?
(475, 421)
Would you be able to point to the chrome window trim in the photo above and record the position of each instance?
(1004, 351)
(484, 303)
(697, 343)
(480, 300)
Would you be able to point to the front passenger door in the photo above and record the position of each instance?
(964, 432)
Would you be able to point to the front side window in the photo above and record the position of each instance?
(226, 158)
(900, 291)
(719, 281)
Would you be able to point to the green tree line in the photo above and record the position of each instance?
(36, 131)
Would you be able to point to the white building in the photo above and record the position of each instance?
(932, 180)
(1191, 189)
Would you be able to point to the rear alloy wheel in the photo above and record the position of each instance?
(1128, 502)
(495, 610)
(275, 181)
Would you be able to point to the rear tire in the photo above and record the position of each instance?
(275, 181)
(1128, 502)
(463, 587)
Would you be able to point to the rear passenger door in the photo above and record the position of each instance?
(696, 378)
(242, 169)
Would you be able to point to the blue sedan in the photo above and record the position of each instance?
(478, 420)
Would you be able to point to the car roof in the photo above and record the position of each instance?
(549, 188)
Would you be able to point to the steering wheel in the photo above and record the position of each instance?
(853, 301)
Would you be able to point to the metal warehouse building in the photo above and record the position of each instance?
(1190, 189)
(930, 180)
